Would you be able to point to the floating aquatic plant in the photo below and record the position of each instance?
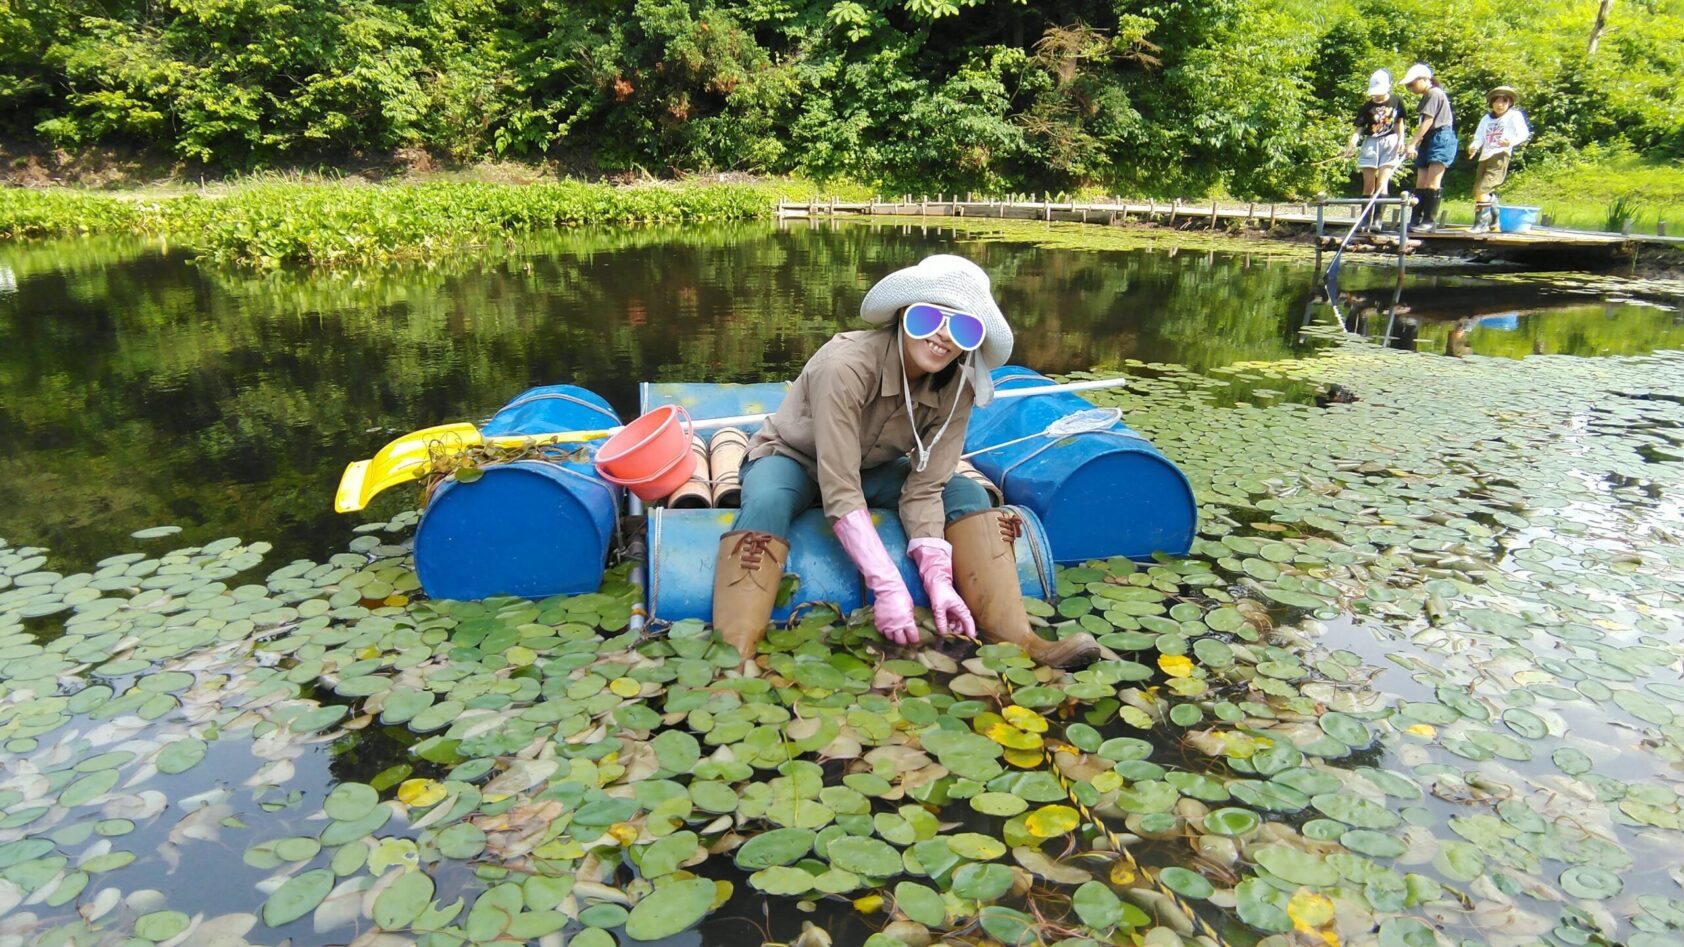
(1416, 683)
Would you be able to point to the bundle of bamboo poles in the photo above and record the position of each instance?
(715, 482)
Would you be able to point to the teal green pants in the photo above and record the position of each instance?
(776, 489)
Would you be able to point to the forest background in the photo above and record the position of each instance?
(1248, 98)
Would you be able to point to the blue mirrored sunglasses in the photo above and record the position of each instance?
(923, 320)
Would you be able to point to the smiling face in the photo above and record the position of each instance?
(1500, 104)
(931, 355)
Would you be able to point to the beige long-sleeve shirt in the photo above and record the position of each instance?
(846, 413)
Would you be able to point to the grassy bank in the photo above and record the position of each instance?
(271, 224)
(1596, 191)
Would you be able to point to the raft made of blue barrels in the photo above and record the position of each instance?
(531, 528)
(535, 527)
(1098, 493)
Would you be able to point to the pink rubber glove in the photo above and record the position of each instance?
(891, 602)
(935, 565)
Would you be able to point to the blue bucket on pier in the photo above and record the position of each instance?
(531, 528)
(683, 545)
(1100, 494)
(1514, 218)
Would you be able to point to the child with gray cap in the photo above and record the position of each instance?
(1434, 144)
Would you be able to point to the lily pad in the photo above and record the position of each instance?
(670, 909)
(297, 897)
(1188, 884)
(868, 857)
(1231, 821)
(982, 882)
(396, 907)
(1591, 882)
(920, 904)
(161, 925)
(1295, 865)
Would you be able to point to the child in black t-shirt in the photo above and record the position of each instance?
(1377, 136)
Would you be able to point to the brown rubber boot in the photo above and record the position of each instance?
(985, 573)
(745, 586)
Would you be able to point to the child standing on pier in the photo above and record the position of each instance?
(1379, 133)
(1500, 131)
(1434, 144)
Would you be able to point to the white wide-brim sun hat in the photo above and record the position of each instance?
(956, 283)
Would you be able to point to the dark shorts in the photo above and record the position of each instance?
(1439, 147)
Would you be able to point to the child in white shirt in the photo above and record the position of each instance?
(1499, 133)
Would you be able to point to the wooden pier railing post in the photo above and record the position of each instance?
(1405, 212)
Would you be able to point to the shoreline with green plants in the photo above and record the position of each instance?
(271, 225)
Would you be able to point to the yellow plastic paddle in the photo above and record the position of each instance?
(408, 458)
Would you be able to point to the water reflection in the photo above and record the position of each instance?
(136, 388)
(1459, 316)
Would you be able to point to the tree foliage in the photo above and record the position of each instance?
(1160, 96)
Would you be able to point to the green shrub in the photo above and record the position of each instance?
(1249, 97)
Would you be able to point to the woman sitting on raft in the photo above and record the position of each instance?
(877, 418)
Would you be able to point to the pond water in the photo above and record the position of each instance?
(1418, 679)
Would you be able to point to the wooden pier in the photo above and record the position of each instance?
(1116, 211)
(1327, 220)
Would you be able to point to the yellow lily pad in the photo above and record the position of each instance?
(421, 792)
(1053, 820)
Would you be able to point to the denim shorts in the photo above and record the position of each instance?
(1438, 148)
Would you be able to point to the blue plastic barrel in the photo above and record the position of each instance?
(683, 545)
(1101, 494)
(531, 528)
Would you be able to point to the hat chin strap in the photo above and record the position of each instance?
(923, 450)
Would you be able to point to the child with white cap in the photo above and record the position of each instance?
(1377, 138)
(877, 418)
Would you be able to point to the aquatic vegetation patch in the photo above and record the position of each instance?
(1417, 683)
(27, 213)
(272, 225)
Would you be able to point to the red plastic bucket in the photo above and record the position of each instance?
(651, 456)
